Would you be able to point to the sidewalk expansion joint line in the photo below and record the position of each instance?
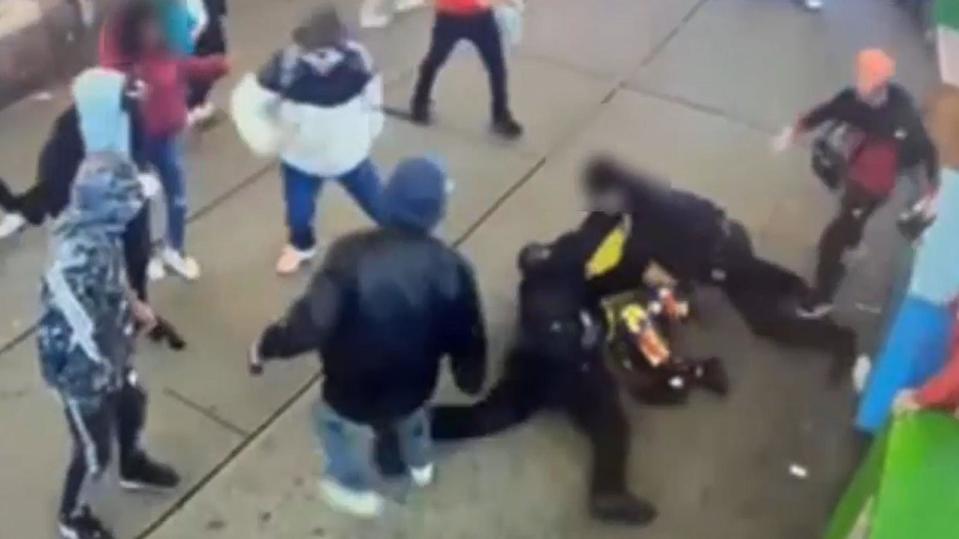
(253, 436)
(205, 412)
(230, 457)
(699, 107)
(671, 35)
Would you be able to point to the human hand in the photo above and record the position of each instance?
(784, 139)
(906, 403)
(144, 314)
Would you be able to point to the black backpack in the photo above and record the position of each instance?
(831, 150)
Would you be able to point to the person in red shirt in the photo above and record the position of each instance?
(133, 42)
(886, 136)
(472, 20)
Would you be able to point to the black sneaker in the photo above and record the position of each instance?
(83, 525)
(507, 127)
(142, 473)
(421, 115)
(622, 508)
(711, 374)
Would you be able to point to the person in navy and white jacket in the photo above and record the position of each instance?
(317, 105)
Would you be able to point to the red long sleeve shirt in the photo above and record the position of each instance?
(166, 76)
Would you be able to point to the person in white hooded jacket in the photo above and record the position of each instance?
(317, 105)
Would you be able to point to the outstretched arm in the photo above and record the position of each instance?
(306, 325)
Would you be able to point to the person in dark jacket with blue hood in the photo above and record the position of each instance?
(388, 304)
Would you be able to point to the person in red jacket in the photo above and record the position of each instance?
(474, 21)
(133, 41)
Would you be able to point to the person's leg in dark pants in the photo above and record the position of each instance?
(136, 252)
(843, 233)
(91, 429)
(137, 470)
(485, 35)
(447, 30)
(594, 407)
(777, 322)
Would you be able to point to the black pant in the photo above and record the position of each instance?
(137, 247)
(211, 41)
(589, 398)
(843, 233)
(764, 294)
(120, 415)
(482, 31)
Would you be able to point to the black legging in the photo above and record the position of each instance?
(589, 397)
(762, 292)
(121, 416)
(844, 232)
(480, 29)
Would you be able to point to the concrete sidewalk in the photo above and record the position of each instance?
(690, 89)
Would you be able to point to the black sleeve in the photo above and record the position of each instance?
(307, 324)
(59, 161)
(465, 334)
(137, 146)
(825, 112)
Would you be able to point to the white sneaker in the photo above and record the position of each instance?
(423, 476)
(11, 224)
(374, 20)
(155, 269)
(182, 265)
(363, 504)
(406, 5)
(860, 372)
(291, 259)
(813, 5)
(201, 113)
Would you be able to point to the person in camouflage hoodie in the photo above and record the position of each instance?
(89, 312)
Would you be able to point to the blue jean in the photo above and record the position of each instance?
(166, 155)
(301, 190)
(915, 350)
(349, 445)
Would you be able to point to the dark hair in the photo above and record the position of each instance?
(131, 22)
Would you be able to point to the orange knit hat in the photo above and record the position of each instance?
(873, 69)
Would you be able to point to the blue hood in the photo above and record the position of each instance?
(104, 124)
(415, 197)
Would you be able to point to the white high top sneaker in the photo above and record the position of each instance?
(363, 504)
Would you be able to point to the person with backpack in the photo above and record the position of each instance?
(886, 136)
(317, 105)
(387, 306)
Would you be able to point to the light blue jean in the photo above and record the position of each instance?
(348, 445)
(166, 156)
